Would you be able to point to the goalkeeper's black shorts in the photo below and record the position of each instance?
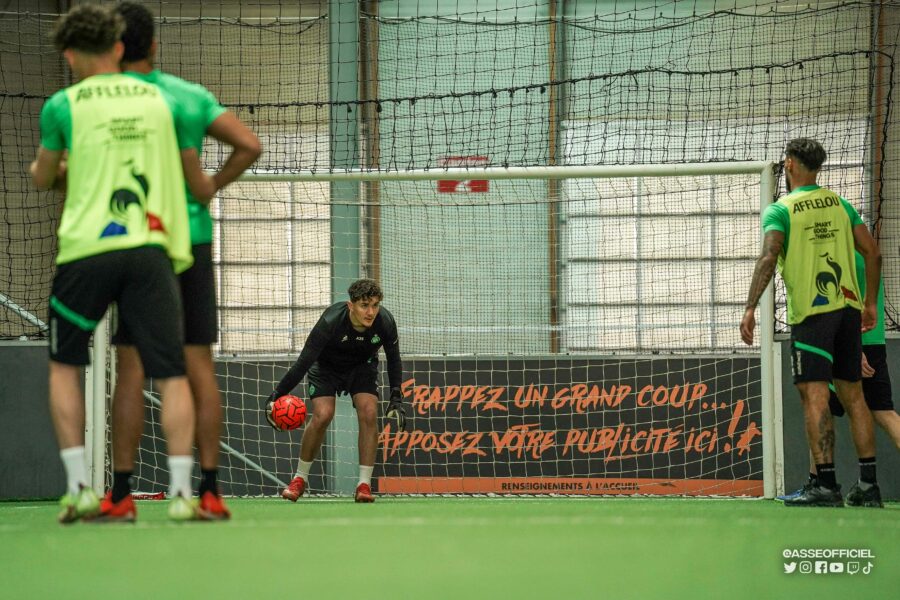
(323, 381)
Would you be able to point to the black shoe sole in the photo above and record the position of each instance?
(836, 504)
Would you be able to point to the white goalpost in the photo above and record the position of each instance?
(565, 330)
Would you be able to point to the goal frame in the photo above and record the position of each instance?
(97, 394)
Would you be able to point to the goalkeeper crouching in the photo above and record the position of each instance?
(341, 355)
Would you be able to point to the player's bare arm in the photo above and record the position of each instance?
(228, 129)
(45, 168)
(202, 186)
(61, 183)
(867, 370)
(773, 242)
(871, 253)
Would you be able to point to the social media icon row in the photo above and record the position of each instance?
(824, 567)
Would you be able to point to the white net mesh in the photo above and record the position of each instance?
(633, 380)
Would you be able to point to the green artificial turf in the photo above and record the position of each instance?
(457, 548)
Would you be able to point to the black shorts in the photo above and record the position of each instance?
(877, 388)
(198, 300)
(322, 381)
(141, 282)
(827, 346)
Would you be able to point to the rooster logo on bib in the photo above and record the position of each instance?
(120, 204)
(828, 284)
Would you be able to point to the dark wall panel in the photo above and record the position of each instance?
(29, 456)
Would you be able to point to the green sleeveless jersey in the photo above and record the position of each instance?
(199, 109)
(817, 262)
(876, 335)
(125, 185)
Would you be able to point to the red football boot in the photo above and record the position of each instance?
(294, 489)
(212, 508)
(364, 493)
(122, 511)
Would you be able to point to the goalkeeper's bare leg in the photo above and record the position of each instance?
(366, 412)
(313, 436)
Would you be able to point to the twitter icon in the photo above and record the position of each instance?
(790, 567)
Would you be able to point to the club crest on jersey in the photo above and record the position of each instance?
(375, 339)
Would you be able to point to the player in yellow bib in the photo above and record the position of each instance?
(876, 385)
(202, 115)
(123, 229)
(811, 234)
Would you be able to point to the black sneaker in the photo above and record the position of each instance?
(817, 496)
(796, 493)
(870, 498)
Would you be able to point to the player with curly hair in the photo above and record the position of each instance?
(811, 234)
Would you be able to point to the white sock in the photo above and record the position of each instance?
(365, 474)
(303, 469)
(180, 476)
(76, 471)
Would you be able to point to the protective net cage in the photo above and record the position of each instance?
(599, 314)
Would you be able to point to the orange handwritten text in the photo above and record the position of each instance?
(579, 397)
(448, 442)
(621, 441)
(676, 395)
(519, 439)
(477, 397)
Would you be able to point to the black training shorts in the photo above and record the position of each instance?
(877, 388)
(198, 300)
(322, 381)
(141, 282)
(827, 346)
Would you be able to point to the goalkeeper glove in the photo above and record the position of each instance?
(269, 405)
(395, 410)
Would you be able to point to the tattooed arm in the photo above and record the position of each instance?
(762, 275)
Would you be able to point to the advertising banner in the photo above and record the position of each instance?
(578, 426)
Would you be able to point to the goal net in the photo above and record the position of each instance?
(579, 343)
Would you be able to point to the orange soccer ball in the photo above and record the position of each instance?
(289, 412)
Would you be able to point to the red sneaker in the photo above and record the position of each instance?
(294, 489)
(122, 511)
(212, 508)
(364, 493)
